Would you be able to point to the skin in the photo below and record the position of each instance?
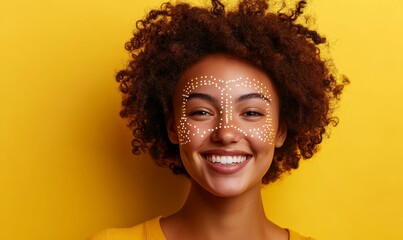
(199, 108)
(224, 118)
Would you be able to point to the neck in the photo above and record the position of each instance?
(207, 216)
(205, 205)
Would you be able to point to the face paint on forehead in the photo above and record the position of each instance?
(187, 130)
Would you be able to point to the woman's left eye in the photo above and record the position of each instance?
(253, 114)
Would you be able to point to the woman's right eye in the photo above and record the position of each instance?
(200, 113)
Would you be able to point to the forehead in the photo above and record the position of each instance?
(227, 88)
(221, 71)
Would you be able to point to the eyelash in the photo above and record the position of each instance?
(199, 113)
(206, 113)
(252, 114)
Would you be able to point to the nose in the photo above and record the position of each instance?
(226, 135)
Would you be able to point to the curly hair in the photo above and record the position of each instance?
(174, 37)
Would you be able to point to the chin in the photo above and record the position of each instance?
(228, 188)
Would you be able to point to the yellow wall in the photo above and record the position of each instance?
(66, 169)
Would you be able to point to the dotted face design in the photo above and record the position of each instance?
(188, 131)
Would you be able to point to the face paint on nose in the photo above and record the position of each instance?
(188, 130)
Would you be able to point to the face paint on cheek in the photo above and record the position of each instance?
(266, 132)
(188, 131)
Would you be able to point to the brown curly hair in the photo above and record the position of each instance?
(171, 39)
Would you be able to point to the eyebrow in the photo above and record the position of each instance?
(252, 96)
(215, 101)
(201, 96)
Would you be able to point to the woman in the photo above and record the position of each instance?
(231, 100)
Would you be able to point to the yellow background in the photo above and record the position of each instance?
(66, 168)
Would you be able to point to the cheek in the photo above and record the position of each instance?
(263, 131)
(190, 133)
(197, 133)
(264, 136)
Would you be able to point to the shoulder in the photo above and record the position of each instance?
(297, 236)
(149, 230)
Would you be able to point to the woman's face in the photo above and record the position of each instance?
(226, 122)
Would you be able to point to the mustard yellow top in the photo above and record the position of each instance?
(151, 230)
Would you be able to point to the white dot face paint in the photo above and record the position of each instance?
(203, 113)
(226, 120)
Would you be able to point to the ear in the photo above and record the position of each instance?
(281, 135)
(171, 128)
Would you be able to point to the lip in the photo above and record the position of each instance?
(226, 168)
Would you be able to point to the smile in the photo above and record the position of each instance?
(226, 159)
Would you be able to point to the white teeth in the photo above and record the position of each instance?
(226, 159)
